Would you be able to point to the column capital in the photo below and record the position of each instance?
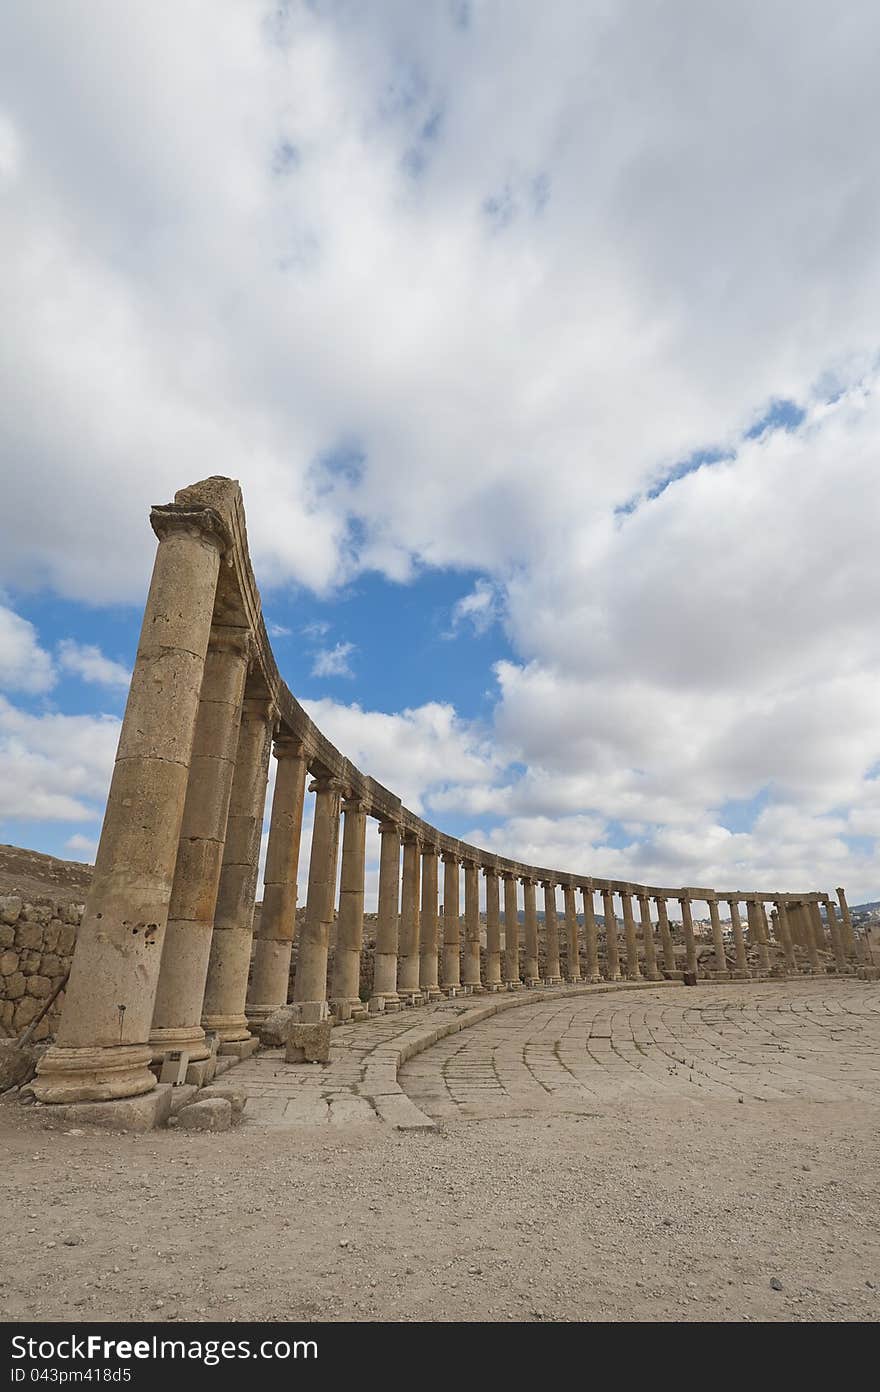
(260, 708)
(526, 879)
(585, 886)
(549, 884)
(388, 827)
(354, 802)
(289, 747)
(325, 783)
(230, 638)
(683, 896)
(168, 518)
(659, 898)
(490, 870)
(411, 838)
(452, 858)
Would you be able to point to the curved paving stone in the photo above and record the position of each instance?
(816, 1041)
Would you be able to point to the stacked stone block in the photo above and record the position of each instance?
(36, 948)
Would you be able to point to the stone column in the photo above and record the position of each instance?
(530, 932)
(784, 930)
(756, 933)
(385, 963)
(270, 971)
(493, 930)
(690, 946)
(612, 955)
(511, 934)
(310, 984)
(573, 953)
(451, 925)
(229, 963)
(551, 935)
(429, 943)
(648, 936)
(739, 945)
(836, 937)
(472, 927)
(102, 1049)
(345, 991)
(717, 938)
(591, 934)
(408, 962)
(849, 937)
(629, 928)
(177, 1012)
(665, 934)
(818, 929)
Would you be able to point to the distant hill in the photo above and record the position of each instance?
(30, 872)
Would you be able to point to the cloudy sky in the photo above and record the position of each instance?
(545, 342)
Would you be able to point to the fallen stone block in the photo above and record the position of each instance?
(275, 1029)
(212, 1114)
(309, 1043)
(235, 1096)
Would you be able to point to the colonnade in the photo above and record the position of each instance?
(167, 959)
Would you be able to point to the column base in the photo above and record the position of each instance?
(139, 1114)
(476, 988)
(189, 1040)
(94, 1073)
(228, 1028)
(309, 1012)
(240, 1048)
(450, 992)
(411, 998)
(493, 986)
(257, 1014)
(431, 994)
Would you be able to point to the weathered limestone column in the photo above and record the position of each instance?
(612, 955)
(818, 929)
(849, 937)
(648, 936)
(345, 991)
(591, 934)
(511, 934)
(687, 924)
(429, 942)
(451, 925)
(665, 934)
(551, 935)
(385, 962)
(836, 936)
(530, 932)
(177, 1012)
(803, 918)
(472, 927)
(229, 963)
(102, 1049)
(756, 933)
(739, 944)
(573, 952)
(493, 930)
(310, 983)
(717, 938)
(270, 970)
(784, 930)
(629, 928)
(408, 961)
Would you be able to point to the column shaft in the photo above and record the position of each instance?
(429, 945)
(612, 955)
(849, 937)
(785, 936)
(739, 944)
(388, 918)
(511, 934)
(756, 933)
(408, 961)
(690, 946)
(572, 953)
(717, 938)
(310, 984)
(648, 937)
(553, 974)
(493, 930)
(472, 926)
(451, 925)
(629, 927)
(836, 937)
(591, 934)
(530, 933)
(665, 934)
(345, 992)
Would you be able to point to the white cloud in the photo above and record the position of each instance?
(333, 662)
(87, 661)
(82, 847)
(479, 609)
(24, 665)
(54, 767)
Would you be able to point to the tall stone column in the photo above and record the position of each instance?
(345, 991)
(591, 934)
(230, 959)
(648, 936)
(818, 929)
(472, 927)
(177, 1012)
(429, 945)
(493, 930)
(551, 935)
(612, 955)
(717, 938)
(849, 937)
(451, 925)
(784, 930)
(310, 983)
(102, 1049)
(629, 928)
(270, 971)
(756, 933)
(385, 963)
(530, 932)
(511, 934)
(836, 937)
(814, 937)
(739, 944)
(665, 934)
(573, 953)
(687, 924)
(408, 961)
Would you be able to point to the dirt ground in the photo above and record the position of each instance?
(638, 1206)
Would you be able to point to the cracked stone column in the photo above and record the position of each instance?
(687, 925)
(429, 947)
(612, 955)
(784, 930)
(849, 937)
(310, 983)
(103, 1049)
(270, 971)
(629, 928)
(472, 927)
(345, 991)
(648, 937)
(739, 944)
(573, 952)
(836, 936)
(530, 932)
(177, 1012)
(385, 962)
(591, 933)
(717, 937)
(665, 934)
(493, 930)
(230, 959)
(408, 961)
(551, 935)
(511, 934)
(756, 933)
(451, 925)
